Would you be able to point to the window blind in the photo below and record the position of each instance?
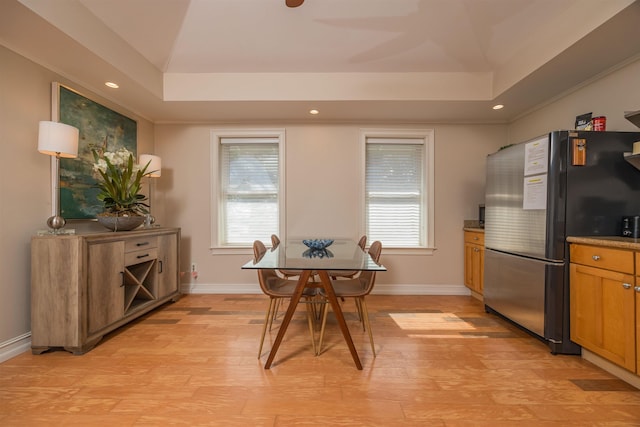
(249, 190)
(394, 191)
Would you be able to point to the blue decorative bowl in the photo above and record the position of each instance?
(317, 253)
(317, 243)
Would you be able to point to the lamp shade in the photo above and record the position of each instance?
(155, 164)
(58, 139)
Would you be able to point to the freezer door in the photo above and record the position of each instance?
(509, 227)
(514, 286)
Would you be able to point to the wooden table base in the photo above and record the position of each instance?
(293, 303)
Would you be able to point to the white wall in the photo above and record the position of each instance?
(323, 182)
(25, 183)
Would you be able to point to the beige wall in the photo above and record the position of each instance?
(323, 176)
(25, 180)
(183, 193)
(609, 96)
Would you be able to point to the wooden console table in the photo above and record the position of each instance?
(85, 286)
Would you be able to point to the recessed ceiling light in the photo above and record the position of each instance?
(314, 112)
(112, 85)
(498, 107)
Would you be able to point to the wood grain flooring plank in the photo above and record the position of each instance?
(441, 361)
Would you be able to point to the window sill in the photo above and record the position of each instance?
(407, 251)
(240, 250)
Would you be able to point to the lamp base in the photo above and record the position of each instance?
(56, 222)
(149, 220)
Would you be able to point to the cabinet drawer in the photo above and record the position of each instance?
(474, 237)
(607, 258)
(143, 255)
(140, 243)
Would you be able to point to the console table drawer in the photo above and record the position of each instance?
(143, 255)
(140, 243)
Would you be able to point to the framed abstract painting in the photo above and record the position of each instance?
(101, 129)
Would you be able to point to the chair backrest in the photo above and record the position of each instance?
(264, 275)
(368, 278)
(362, 242)
(374, 250)
(259, 249)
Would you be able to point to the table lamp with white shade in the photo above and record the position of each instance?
(154, 170)
(57, 140)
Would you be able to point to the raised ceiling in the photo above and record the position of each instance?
(354, 60)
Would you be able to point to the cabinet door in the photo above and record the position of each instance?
(473, 267)
(105, 290)
(167, 265)
(637, 324)
(478, 268)
(468, 265)
(603, 313)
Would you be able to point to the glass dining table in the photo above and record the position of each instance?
(342, 254)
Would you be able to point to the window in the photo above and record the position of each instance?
(247, 187)
(398, 191)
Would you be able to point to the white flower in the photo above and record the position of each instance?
(100, 166)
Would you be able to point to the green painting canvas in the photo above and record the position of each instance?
(101, 129)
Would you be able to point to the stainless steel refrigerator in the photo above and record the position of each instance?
(566, 183)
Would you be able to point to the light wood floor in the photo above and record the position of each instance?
(442, 361)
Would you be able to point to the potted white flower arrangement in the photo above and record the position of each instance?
(119, 179)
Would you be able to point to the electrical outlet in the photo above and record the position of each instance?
(194, 267)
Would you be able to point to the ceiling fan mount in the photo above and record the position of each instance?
(294, 3)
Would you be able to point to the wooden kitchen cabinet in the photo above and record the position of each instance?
(637, 311)
(603, 302)
(85, 286)
(474, 261)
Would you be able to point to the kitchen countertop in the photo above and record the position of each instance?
(610, 241)
(476, 229)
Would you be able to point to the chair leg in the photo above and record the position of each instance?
(318, 306)
(274, 312)
(324, 322)
(313, 305)
(264, 328)
(359, 310)
(365, 315)
(310, 320)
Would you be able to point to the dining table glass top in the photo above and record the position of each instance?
(342, 254)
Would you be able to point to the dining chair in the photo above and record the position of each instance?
(275, 241)
(287, 273)
(277, 288)
(349, 274)
(357, 288)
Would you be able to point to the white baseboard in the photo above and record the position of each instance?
(15, 346)
(251, 288)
